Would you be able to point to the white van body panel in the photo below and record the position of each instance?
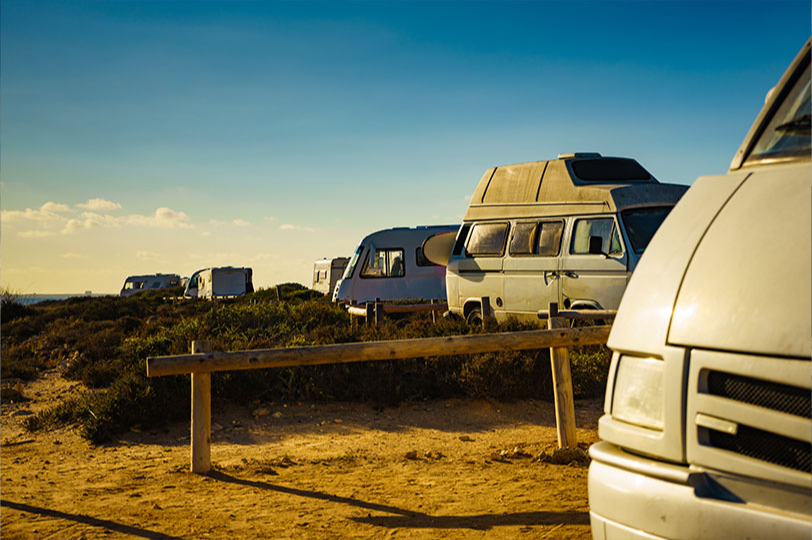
(327, 272)
(139, 284)
(707, 409)
(418, 279)
(222, 282)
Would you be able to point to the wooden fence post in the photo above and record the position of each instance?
(379, 312)
(486, 308)
(562, 385)
(433, 313)
(201, 415)
(370, 318)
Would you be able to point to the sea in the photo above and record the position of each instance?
(28, 299)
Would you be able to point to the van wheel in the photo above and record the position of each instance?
(474, 317)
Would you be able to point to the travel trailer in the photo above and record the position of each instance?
(149, 282)
(569, 230)
(222, 282)
(390, 265)
(327, 272)
(706, 428)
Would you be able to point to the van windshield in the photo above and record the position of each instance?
(351, 267)
(642, 223)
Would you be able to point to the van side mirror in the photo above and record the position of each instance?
(596, 246)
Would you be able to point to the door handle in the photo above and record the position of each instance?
(570, 274)
(551, 275)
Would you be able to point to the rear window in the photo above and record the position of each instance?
(487, 239)
(610, 170)
(642, 223)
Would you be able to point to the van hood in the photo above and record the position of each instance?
(766, 219)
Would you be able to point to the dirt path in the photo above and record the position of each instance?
(439, 469)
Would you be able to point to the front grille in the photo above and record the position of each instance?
(770, 395)
(765, 446)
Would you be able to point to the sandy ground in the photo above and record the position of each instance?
(434, 469)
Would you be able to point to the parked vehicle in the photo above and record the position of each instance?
(222, 282)
(706, 432)
(149, 282)
(569, 230)
(389, 265)
(327, 272)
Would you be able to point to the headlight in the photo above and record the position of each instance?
(638, 394)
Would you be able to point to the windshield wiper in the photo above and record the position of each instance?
(802, 125)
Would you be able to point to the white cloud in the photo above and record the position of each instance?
(291, 227)
(147, 256)
(35, 234)
(234, 222)
(47, 212)
(72, 256)
(164, 218)
(99, 204)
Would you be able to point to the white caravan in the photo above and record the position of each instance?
(327, 272)
(149, 282)
(390, 265)
(706, 432)
(569, 230)
(222, 282)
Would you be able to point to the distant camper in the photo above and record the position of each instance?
(390, 265)
(327, 272)
(569, 230)
(150, 282)
(222, 282)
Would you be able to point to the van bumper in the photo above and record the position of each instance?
(639, 498)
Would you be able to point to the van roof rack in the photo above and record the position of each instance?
(580, 155)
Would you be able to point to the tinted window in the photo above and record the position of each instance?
(603, 227)
(462, 236)
(641, 224)
(384, 263)
(523, 239)
(487, 239)
(550, 238)
(609, 170)
(788, 132)
(351, 267)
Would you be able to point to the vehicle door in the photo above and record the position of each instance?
(480, 270)
(382, 275)
(590, 278)
(531, 268)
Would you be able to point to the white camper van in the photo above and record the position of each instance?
(327, 272)
(706, 432)
(222, 282)
(390, 265)
(150, 282)
(569, 230)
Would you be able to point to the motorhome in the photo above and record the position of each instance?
(569, 230)
(149, 282)
(390, 265)
(221, 282)
(707, 418)
(327, 272)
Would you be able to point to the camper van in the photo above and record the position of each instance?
(390, 265)
(327, 272)
(222, 282)
(150, 282)
(569, 230)
(706, 428)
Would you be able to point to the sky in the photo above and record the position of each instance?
(150, 136)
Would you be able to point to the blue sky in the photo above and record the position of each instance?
(142, 137)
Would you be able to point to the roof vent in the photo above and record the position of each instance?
(579, 155)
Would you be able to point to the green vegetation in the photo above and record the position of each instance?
(104, 343)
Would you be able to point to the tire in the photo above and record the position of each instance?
(474, 317)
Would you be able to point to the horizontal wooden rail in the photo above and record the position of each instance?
(375, 350)
(580, 314)
(414, 308)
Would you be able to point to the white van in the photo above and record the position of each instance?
(327, 272)
(569, 230)
(222, 282)
(390, 265)
(706, 432)
(149, 282)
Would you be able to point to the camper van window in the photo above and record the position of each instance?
(550, 238)
(421, 259)
(487, 239)
(523, 239)
(351, 267)
(384, 263)
(156, 284)
(610, 170)
(642, 223)
(603, 227)
(462, 236)
(128, 286)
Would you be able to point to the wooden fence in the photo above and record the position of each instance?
(374, 312)
(202, 362)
